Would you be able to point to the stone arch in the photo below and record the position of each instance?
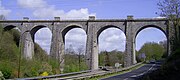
(68, 28)
(164, 32)
(35, 29)
(147, 26)
(106, 27)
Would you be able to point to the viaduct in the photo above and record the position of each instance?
(93, 27)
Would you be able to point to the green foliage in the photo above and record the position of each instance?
(152, 50)
(40, 54)
(55, 65)
(72, 64)
(44, 74)
(9, 52)
(171, 10)
(171, 68)
(6, 69)
(110, 58)
(174, 56)
(168, 71)
(1, 76)
(9, 58)
(41, 62)
(30, 68)
(8, 47)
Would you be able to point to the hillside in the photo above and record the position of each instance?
(41, 62)
(9, 58)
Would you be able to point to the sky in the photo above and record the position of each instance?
(109, 39)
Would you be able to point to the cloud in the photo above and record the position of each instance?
(4, 11)
(32, 4)
(44, 41)
(42, 10)
(111, 39)
(75, 37)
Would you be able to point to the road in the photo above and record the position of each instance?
(135, 74)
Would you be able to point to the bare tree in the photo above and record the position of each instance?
(70, 50)
(80, 51)
(171, 10)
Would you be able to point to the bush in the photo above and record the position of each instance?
(44, 74)
(1, 76)
(45, 67)
(6, 69)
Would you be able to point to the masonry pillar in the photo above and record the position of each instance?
(170, 36)
(57, 46)
(26, 41)
(26, 45)
(134, 52)
(61, 52)
(54, 46)
(129, 56)
(91, 45)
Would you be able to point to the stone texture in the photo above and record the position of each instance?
(93, 27)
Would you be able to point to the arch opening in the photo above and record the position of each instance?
(75, 47)
(35, 29)
(151, 26)
(104, 28)
(42, 36)
(67, 29)
(151, 44)
(111, 41)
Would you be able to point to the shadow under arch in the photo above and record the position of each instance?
(16, 34)
(9, 27)
(107, 27)
(68, 28)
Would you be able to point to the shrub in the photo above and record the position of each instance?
(6, 71)
(6, 68)
(1, 76)
(44, 74)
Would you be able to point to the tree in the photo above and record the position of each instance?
(106, 60)
(110, 58)
(171, 10)
(80, 50)
(70, 50)
(152, 50)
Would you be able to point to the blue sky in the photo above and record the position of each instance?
(102, 8)
(75, 9)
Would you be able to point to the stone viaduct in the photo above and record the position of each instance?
(93, 27)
